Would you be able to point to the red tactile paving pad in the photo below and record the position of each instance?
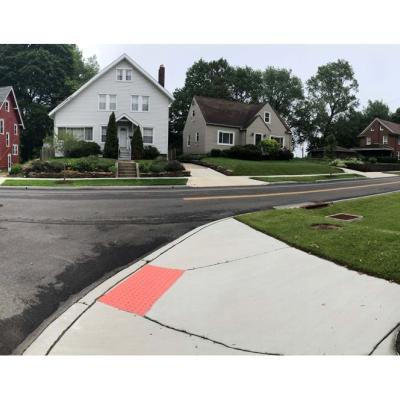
(139, 292)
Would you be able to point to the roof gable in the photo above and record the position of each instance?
(5, 91)
(104, 71)
(392, 127)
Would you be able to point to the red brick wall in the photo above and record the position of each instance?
(10, 118)
(377, 136)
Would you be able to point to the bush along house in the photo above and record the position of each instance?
(11, 124)
(380, 139)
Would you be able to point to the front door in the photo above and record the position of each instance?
(257, 138)
(123, 136)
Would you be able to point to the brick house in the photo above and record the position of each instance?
(379, 139)
(11, 124)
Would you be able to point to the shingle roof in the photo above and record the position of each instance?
(227, 113)
(337, 149)
(391, 126)
(4, 92)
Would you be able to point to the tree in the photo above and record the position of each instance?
(395, 117)
(111, 144)
(137, 144)
(331, 92)
(282, 90)
(246, 85)
(330, 146)
(376, 109)
(347, 128)
(42, 75)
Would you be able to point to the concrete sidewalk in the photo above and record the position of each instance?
(231, 290)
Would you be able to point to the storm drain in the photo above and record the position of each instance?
(345, 217)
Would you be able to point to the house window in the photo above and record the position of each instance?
(120, 74)
(15, 149)
(140, 103)
(381, 128)
(372, 129)
(7, 139)
(385, 139)
(368, 141)
(103, 134)
(398, 155)
(267, 117)
(225, 138)
(7, 106)
(147, 135)
(145, 103)
(197, 137)
(80, 133)
(193, 113)
(15, 129)
(107, 102)
(279, 139)
(124, 74)
(2, 126)
(188, 141)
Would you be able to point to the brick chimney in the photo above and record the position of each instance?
(161, 75)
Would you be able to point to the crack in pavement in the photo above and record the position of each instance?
(237, 259)
(211, 340)
(383, 339)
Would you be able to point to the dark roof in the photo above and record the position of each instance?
(337, 149)
(391, 126)
(227, 113)
(4, 92)
(376, 146)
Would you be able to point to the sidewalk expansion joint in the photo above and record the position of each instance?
(211, 340)
(238, 259)
(383, 339)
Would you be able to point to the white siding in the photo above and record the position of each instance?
(83, 109)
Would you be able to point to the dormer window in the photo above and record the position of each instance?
(267, 117)
(372, 129)
(381, 128)
(1, 126)
(7, 106)
(15, 129)
(124, 74)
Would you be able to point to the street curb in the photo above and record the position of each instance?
(49, 337)
(92, 187)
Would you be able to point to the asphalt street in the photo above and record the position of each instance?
(57, 244)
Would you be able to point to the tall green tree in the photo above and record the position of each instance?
(395, 117)
(137, 144)
(331, 92)
(282, 89)
(111, 144)
(330, 146)
(376, 109)
(42, 75)
(246, 85)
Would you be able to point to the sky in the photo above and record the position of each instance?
(375, 66)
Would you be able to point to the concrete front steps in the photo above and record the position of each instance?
(124, 154)
(127, 169)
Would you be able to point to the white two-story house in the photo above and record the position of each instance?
(125, 88)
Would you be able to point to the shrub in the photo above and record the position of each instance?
(246, 152)
(270, 148)
(111, 144)
(174, 166)
(385, 160)
(372, 160)
(137, 144)
(150, 153)
(189, 157)
(144, 167)
(81, 148)
(157, 167)
(284, 154)
(55, 166)
(16, 169)
(338, 163)
(215, 153)
(84, 165)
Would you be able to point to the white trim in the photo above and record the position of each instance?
(257, 133)
(72, 126)
(15, 129)
(107, 109)
(117, 119)
(368, 140)
(2, 126)
(385, 136)
(278, 137)
(9, 162)
(188, 141)
(101, 132)
(8, 139)
(269, 117)
(152, 135)
(139, 103)
(226, 144)
(16, 108)
(6, 106)
(14, 149)
(197, 137)
(105, 70)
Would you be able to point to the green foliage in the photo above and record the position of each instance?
(157, 167)
(174, 166)
(246, 152)
(16, 169)
(270, 147)
(330, 146)
(42, 75)
(150, 153)
(137, 144)
(111, 144)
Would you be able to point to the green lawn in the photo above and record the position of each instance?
(94, 182)
(292, 167)
(370, 245)
(307, 178)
